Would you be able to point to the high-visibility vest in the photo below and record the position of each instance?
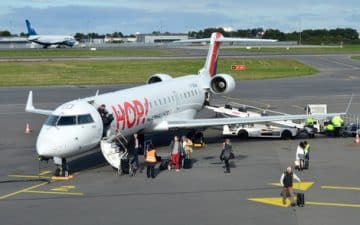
(330, 127)
(310, 121)
(337, 121)
(307, 148)
(151, 156)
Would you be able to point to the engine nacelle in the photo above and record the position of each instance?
(222, 84)
(158, 77)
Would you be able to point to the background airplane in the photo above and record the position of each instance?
(48, 40)
(163, 104)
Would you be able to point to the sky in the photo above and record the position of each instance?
(145, 16)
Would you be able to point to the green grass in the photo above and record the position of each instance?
(137, 71)
(84, 52)
(299, 50)
(355, 57)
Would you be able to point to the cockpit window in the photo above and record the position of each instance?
(67, 120)
(83, 119)
(51, 120)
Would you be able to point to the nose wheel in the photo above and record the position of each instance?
(62, 169)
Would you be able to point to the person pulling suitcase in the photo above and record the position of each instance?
(286, 182)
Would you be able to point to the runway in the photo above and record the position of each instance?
(204, 194)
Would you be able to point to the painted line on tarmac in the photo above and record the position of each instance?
(333, 204)
(55, 193)
(341, 188)
(28, 176)
(22, 190)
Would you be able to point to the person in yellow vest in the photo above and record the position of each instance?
(150, 158)
(329, 129)
(307, 150)
(310, 122)
(337, 121)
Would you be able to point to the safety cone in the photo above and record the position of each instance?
(27, 129)
(357, 139)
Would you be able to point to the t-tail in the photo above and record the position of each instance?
(210, 67)
(31, 31)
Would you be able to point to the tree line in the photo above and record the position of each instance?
(315, 36)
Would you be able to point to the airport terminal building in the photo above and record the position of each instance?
(161, 38)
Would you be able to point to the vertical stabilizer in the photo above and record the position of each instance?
(212, 56)
(30, 30)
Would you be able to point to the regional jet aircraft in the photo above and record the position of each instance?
(163, 104)
(48, 40)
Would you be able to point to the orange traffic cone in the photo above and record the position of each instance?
(27, 129)
(357, 139)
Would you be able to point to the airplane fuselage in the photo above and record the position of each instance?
(47, 40)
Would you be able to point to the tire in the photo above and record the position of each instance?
(286, 135)
(243, 134)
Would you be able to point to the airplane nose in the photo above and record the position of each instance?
(45, 146)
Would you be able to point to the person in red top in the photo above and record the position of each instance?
(176, 151)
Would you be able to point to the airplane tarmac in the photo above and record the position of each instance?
(163, 104)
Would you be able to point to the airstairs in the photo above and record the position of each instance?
(114, 149)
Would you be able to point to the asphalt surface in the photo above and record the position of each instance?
(204, 194)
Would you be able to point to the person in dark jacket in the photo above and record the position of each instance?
(135, 149)
(227, 154)
(286, 182)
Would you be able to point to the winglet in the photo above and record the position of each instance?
(30, 107)
(29, 103)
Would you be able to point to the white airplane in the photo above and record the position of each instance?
(48, 40)
(163, 104)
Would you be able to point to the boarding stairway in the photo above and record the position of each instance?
(114, 149)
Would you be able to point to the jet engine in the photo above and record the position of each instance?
(158, 77)
(222, 84)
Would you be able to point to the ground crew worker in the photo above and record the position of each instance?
(286, 182)
(330, 129)
(310, 122)
(307, 150)
(150, 158)
(337, 121)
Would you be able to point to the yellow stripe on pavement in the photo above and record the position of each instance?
(341, 188)
(55, 192)
(333, 204)
(23, 190)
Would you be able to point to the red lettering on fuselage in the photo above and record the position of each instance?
(131, 113)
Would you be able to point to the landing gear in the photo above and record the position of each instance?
(62, 169)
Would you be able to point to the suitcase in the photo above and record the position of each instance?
(164, 164)
(300, 199)
(187, 163)
(306, 164)
(125, 166)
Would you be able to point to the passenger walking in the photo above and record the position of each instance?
(227, 154)
(300, 155)
(176, 151)
(135, 148)
(188, 146)
(286, 182)
(150, 158)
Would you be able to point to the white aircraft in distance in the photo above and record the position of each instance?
(48, 40)
(163, 104)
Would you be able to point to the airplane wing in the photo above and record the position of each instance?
(226, 39)
(30, 107)
(202, 123)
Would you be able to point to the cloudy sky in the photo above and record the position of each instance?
(130, 16)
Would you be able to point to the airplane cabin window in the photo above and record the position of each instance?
(51, 120)
(83, 119)
(67, 120)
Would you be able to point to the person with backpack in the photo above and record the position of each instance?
(286, 182)
(227, 154)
